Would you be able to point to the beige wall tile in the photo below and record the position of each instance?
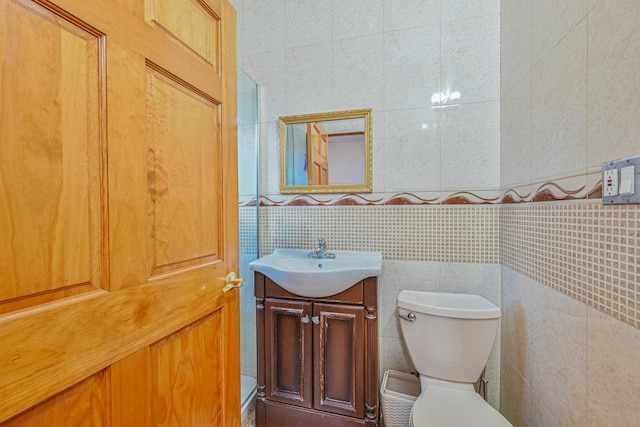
(356, 18)
(515, 134)
(613, 91)
(516, 320)
(511, 6)
(309, 79)
(396, 356)
(541, 416)
(397, 276)
(468, 278)
(401, 14)
(515, 396)
(465, 9)
(411, 68)
(412, 157)
(614, 373)
(559, 116)
(552, 20)
(559, 354)
(258, 37)
(269, 69)
(515, 50)
(307, 22)
(471, 58)
(357, 79)
(269, 152)
(470, 152)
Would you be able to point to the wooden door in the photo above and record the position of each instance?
(289, 352)
(339, 372)
(318, 152)
(118, 213)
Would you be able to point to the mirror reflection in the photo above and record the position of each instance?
(326, 152)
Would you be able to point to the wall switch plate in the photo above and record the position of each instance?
(621, 182)
(627, 180)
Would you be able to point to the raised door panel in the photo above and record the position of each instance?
(192, 23)
(81, 405)
(184, 165)
(289, 352)
(50, 183)
(175, 381)
(339, 342)
(186, 375)
(131, 389)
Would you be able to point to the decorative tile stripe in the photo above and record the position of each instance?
(246, 201)
(463, 233)
(552, 192)
(585, 250)
(545, 192)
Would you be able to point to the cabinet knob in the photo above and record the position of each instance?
(315, 320)
(305, 319)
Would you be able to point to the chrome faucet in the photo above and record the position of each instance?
(321, 251)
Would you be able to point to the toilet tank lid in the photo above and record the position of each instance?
(459, 306)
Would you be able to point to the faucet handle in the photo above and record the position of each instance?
(322, 244)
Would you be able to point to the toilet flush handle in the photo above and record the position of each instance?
(409, 317)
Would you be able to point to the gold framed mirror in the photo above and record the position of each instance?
(326, 152)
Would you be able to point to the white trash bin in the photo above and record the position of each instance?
(398, 393)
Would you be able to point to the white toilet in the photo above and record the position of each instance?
(449, 337)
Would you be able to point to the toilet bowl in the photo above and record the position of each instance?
(449, 338)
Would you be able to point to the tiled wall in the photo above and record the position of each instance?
(570, 100)
(549, 92)
(404, 233)
(586, 251)
(392, 56)
(570, 271)
(563, 362)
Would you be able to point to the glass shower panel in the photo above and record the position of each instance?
(248, 207)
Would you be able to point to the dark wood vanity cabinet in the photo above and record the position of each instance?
(317, 358)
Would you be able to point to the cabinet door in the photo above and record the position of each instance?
(289, 352)
(339, 343)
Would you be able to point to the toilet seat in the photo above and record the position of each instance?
(442, 406)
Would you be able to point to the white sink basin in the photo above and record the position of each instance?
(299, 274)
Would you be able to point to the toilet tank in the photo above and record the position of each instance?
(452, 334)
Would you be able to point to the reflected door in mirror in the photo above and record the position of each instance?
(318, 152)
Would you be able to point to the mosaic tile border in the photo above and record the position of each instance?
(414, 233)
(585, 250)
(248, 222)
